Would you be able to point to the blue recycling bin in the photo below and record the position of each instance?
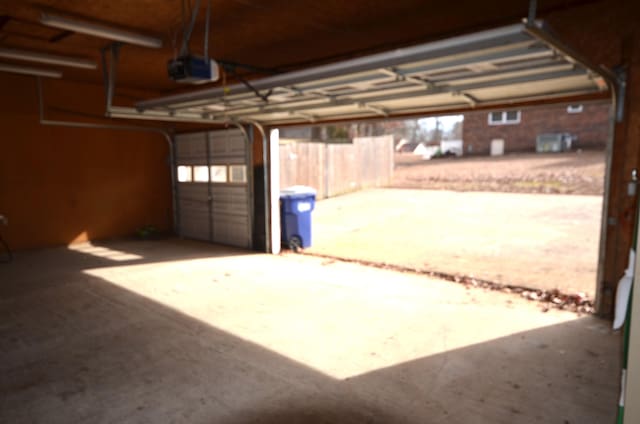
(296, 205)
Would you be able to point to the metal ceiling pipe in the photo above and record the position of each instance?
(109, 76)
(25, 70)
(99, 30)
(109, 73)
(47, 58)
(89, 125)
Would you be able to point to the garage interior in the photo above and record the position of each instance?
(99, 142)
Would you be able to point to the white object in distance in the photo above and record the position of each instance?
(50, 59)
(575, 108)
(624, 292)
(24, 70)
(99, 30)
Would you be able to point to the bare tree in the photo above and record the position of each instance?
(456, 131)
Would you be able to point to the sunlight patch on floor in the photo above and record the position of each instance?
(103, 252)
(340, 319)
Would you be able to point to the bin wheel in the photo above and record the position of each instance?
(295, 244)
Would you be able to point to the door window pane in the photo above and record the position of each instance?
(201, 174)
(238, 173)
(219, 174)
(184, 174)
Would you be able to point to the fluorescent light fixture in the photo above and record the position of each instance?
(47, 58)
(99, 30)
(30, 71)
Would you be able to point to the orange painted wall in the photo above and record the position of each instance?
(62, 185)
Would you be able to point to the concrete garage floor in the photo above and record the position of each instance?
(175, 331)
(531, 240)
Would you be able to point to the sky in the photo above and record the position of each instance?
(447, 122)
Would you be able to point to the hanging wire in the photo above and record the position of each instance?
(187, 34)
(174, 43)
(182, 26)
(206, 32)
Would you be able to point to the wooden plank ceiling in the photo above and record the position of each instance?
(272, 35)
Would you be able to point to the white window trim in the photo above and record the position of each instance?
(575, 108)
(504, 120)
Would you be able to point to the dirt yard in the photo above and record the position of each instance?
(542, 241)
(530, 220)
(551, 173)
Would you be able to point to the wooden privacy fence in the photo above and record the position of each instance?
(334, 169)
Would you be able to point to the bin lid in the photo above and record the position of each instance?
(297, 191)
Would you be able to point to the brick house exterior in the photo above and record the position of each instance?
(587, 122)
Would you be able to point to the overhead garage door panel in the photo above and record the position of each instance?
(230, 200)
(495, 67)
(191, 149)
(532, 89)
(229, 146)
(230, 231)
(193, 206)
(214, 203)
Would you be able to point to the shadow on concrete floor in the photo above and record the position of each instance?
(77, 348)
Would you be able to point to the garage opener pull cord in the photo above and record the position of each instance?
(184, 50)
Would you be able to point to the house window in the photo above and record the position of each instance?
(504, 117)
(495, 117)
(184, 174)
(574, 108)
